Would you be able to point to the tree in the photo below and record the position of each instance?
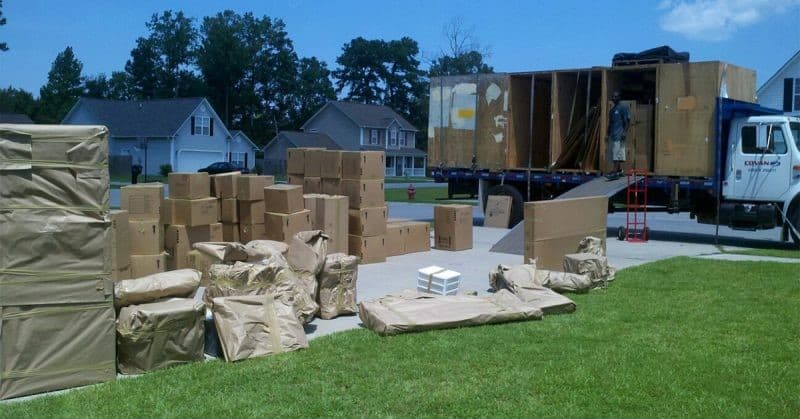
(117, 87)
(463, 55)
(17, 101)
(314, 89)
(361, 70)
(62, 89)
(3, 45)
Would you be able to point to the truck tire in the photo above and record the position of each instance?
(517, 201)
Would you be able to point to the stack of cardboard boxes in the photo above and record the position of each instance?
(224, 188)
(250, 197)
(192, 215)
(285, 214)
(146, 215)
(298, 160)
(363, 175)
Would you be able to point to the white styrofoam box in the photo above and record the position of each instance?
(438, 280)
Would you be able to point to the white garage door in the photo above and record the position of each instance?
(191, 160)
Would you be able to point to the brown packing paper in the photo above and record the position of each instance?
(283, 199)
(251, 187)
(452, 227)
(337, 286)
(120, 245)
(201, 262)
(146, 237)
(189, 185)
(225, 185)
(268, 248)
(31, 288)
(229, 251)
(147, 289)
(368, 221)
(522, 281)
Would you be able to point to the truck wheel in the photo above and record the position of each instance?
(517, 201)
(621, 233)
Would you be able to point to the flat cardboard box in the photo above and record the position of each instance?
(143, 265)
(418, 236)
(554, 228)
(230, 232)
(120, 240)
(143, 201)
(224, 185)
(251, 187)
(250, 232)
(363, 165)
(295, 180)
(283, 199)
(145, 237)
(395, 242)
(312, 184)
(252, 212)
(331, 164)
(189, 185)
(313, 162)
(282, 227)
(229, 210)
(331, 186)
(329, 214)
(368, 249)
(364, 193)
(368, 221)
(194, 212)
(498, 211)
(452, 227)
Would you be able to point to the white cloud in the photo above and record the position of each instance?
(716, 20)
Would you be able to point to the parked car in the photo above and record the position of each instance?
(224, 167)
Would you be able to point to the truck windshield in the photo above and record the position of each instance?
(795, 127)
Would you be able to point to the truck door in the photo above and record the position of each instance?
(761, 174)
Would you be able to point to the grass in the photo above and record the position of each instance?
(778, 253)
(427, 195)
(682, 337)
(408, 179)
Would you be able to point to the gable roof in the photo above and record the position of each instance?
(139, 118)
(778, 73)
(235, 132)
(309, 139)
(15, 118)
(364, 115)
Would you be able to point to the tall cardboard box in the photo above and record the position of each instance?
(332, 186)
(331, 164)
(329, 214)
(143, 265)
(145, 237)
(250, 232)
(313, 162)
(282, 227)
(194, 212)
(230, 232)
(395, 242)
(498, 211)
(189, 185)
(177, 245)
(229, 210)
(368, 249)
(554, 228)
(452, 227)
(363, 165)
(120, 242)
(225, 185)
(143, 201)
(283, 199)
(364, 193)
(312, 185)
(252, 212)
(418, 236)
(368, 221)
(251, 187)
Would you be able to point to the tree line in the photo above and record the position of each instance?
(248, 69)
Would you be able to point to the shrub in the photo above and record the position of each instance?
(165, 169)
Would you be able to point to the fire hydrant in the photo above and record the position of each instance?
(411, 191)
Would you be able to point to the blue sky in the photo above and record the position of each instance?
(521, 35)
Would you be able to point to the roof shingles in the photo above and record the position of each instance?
(141, 118)
(377, 116)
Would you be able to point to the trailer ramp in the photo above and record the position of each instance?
(514, 241)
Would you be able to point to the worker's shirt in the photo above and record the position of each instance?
(619, 118)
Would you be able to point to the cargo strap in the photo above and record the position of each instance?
(55, 310)
(49, 164)
(430, 278)
(272, 322)
(109, 366)
(82, 208)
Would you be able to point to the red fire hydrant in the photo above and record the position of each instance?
(411, 191)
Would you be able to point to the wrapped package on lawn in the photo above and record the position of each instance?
(272, 277)
(147, 289)
(593, 245)
(520, 280)
(530, 276)
(159, 335)
(594, 266)
(306, 256)
(437, 280)
(228, 251)
(267, 248)
(256, 325)
(411, 311)
(337, 286)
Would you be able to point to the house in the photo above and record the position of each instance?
(275, 150)
(185, 133)
(782, 90)
(15, 118)
(358, 126)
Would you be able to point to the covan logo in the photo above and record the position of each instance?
(762, 163)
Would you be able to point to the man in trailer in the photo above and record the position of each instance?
(619, 119)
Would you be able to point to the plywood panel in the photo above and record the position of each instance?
(452, 120)
(493, 121)
(520, 121)
(542, 108)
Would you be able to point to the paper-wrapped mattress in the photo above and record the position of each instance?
(411, 311)
(337, 286)
(147, 289)
(160, 335)
(521, 281)
(256, 325)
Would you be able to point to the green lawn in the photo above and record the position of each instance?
(778, 253)
(401, 179)
(428, 195)
(682, 337)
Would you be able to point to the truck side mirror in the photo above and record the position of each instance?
(761, 136)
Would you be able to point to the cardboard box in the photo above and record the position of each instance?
(331, 186)
(143, 201)
(364, 193)
(368, 221)
(205, 233)
(225, 185)
(230, 232)
(229, 210)
(194, 212)
(252, 212)
(452, 227)
(283, 199)
(251, 187)
(554, 228)
(296, 160)
(189, 185)
(145, 237)
(363, 165)
(395, 242)
(313, 162)
(282, 227)
(120, 240)
(498, 211)
(330, 214)
(418, 236)
(295, 180)
(143, 265)
(312, 184)
(331, 164)
(120, 274)
(177, 245)
(368, 249)
(250, 232)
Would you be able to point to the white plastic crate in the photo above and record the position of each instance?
(438, 280)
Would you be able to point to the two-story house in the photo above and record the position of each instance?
(782, 90)
(185, 133)
(357, 126)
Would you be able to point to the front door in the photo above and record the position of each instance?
(761, 174)
(398, 171)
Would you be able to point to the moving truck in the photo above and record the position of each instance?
(707, 148)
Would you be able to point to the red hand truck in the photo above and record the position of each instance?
(635, 229)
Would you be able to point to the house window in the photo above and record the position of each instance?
(373, 136)
(402, 139)
(202, 125)
(393, 137)
(796, 96)
(238, 158)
